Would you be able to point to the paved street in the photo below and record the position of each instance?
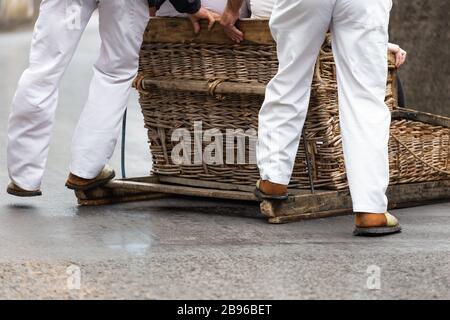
(188, 248)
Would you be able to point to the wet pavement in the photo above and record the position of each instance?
(190, 248)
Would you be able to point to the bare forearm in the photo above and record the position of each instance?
(235, 5)
(229, 18)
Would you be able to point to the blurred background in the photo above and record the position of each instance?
(422, 28)
(16, 12)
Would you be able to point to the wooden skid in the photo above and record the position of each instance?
(104, 195)
(304, 207)
(300, 206)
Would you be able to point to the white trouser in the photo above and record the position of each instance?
(261, 9)
(360, 38)
(56, 36)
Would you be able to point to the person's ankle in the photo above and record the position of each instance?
(370, 220)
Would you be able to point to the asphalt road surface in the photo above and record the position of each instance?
(185, 248)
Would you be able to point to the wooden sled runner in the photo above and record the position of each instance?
(300, 206)
(209, 79)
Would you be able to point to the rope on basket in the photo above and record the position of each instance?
(419, 158)
(212, 86)
(138, 83)
(317, 71)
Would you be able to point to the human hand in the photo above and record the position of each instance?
(152, 12)
(400, 54)
(228, 22)
(206, 14)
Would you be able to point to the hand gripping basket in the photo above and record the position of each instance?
(185, 80)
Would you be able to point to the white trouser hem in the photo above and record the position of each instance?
(84, 174)
(24, 186)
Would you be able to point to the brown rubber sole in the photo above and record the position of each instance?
(93, 184)
(376, 232)
(24, 194)
(262, 196)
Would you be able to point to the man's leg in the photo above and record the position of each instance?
(360, 45)
(122, 25)
(56, 35)
(299, 28)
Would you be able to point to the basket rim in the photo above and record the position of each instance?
(179, 30)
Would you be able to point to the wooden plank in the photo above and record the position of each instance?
(104, 196)
(409, 114)
(205, 184)
(179, 30)
(299, 207)
(225, 87)
(411, 194)
(307, 204)
(180, 190)
(102, 192)
(325, 205)
(309, 216)
(133, 190)
(116, 199)
(149, 179)
(221, 185)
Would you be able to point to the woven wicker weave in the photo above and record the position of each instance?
(165, 110)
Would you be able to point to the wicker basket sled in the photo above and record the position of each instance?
(198, 84)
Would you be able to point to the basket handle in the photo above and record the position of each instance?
(214, 86)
